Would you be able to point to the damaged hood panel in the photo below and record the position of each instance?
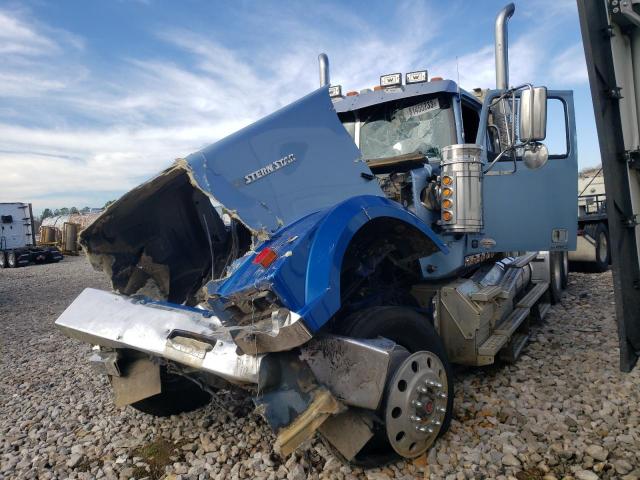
(166, 238)
(294, 162)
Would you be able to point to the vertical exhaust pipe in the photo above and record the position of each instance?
(323, 62)
(502, 46)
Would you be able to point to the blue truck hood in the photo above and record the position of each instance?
(293, 162)
(165, 237)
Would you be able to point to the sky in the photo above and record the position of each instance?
(97, 97)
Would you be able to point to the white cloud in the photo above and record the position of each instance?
(569, 67)
(71, 133)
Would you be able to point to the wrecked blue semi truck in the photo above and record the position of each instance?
(336, 257)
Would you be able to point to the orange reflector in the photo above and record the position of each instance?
(446, 192)
(447, 180)
(435, 79)
(265, 257)
(352, 93)
(446, 203)
(447, 216)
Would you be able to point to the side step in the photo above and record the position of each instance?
(503, 333)
(532, 296)
(523, 260)
(492, 345)
(512, 322)
(512, 351)
(486, 294)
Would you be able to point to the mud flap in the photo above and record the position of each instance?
(142, 380)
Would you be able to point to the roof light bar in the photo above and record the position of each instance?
(335, 91)
(416, 77)
(391, 80)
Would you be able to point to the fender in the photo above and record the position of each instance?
(306, 275)
(331, 240)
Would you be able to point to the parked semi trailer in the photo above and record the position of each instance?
(611, 38)
(593, 248)
(17, 238)
(372, 240)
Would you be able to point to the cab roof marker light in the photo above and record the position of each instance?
(419, 76)
(391, 80)
(335, 91)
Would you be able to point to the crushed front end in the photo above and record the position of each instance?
(217, 267)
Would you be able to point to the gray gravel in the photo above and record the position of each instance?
(563, 411)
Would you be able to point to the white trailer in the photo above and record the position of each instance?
(17, 238)
(593, 250)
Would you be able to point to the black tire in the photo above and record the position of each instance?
(555, 276)
(3, 260)
(603, 249)
(179, 395)
(411, 330)
(11, 259)
(565, 270)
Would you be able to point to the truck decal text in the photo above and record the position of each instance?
(270, 168)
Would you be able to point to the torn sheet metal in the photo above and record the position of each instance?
(304, 426)
(284, 331)
(348, 431)
(354, 370)
(297, 406)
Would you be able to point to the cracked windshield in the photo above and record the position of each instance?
(409, 126)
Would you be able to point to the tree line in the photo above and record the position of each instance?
(48, 212)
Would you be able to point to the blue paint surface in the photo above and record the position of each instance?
(325, 170)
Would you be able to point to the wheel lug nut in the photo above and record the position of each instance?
(436, 423)
(415, 418)
(441, 409)
(422, 389)
(442, 395)
(437, 385)
(417, 404)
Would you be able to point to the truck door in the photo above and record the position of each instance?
(531, 210)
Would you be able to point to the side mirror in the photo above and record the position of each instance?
(533, 114)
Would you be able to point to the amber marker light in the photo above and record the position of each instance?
(446, 203)
(447, 192)
(447, 216)
(447, 180)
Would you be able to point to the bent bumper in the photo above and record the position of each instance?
(181, 334)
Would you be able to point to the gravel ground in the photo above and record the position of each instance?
(563, 411)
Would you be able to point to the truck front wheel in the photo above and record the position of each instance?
(418, 401)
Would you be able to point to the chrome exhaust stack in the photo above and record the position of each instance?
(502, 46)
(323, 62)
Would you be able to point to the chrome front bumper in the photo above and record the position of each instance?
(183, 335)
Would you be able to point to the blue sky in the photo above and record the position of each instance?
(96, 97)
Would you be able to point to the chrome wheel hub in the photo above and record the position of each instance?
(416, 404)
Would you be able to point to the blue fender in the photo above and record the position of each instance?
(306, 274)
